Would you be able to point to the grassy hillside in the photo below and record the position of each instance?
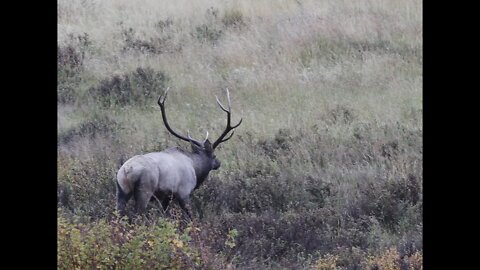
(325, 170)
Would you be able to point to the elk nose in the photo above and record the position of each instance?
(216, 164)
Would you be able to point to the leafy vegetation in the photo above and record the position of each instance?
(139, 87)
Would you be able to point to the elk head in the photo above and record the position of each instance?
(203, 148)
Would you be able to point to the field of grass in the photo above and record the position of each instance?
(325, 171)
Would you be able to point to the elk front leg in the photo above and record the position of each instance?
(164, 199)
(166, 202)
(185, 205)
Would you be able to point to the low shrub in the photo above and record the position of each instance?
(70, 65)
(233, 18)
(163, 43)
(387, 201)
(116, 244)
(208, 33)
(388, 259)
(285, 210)
(137, 88)
(88, 188)
(99, 124)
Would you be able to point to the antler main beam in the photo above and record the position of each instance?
(161, 103)
(229, 127)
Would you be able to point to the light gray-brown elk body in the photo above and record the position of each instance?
(172, 173)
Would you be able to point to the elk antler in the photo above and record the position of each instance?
(229, 127)
(161, 103)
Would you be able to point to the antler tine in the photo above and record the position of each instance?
(231, 134)
(190, 138)
(206, 137)
(229, 103)
(221, 106)
(164, 95)
(239, 122)
(229, 127)
(188, 135)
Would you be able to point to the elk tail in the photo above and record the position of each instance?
(120, 192)
(124, 181)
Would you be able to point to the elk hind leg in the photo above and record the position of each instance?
(142, 198)
(122, 199)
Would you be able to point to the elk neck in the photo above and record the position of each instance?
(202, 166)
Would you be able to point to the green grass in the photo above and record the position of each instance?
(327, 164)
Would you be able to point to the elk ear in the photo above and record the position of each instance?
(195, 148)
(208, 146)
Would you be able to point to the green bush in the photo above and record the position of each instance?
(161, 43)
(116, 244)
(208, 33)
(89, 188)
(140, 87)
(99, 124)
(70, 65)
(389, 259)
(233, 18)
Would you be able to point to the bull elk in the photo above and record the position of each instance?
(172, 172)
